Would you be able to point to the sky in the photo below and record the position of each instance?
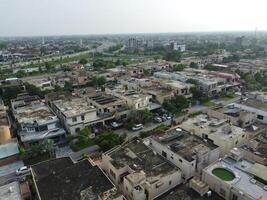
(75, 17)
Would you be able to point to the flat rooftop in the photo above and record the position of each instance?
(8, 150)
(39, 113)
(184, 144)
(258, 145)
(210, 125)
(255, 104)
(73, 107)
(244, 181)
(62, 179)
(139, 157)
(10, 191)
(105, 99)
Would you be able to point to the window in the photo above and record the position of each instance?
(236, 142)
(82, 117)
(243, 136)
(74, 119)
(260, 117)
(170, 182)
(164, 154)
(77, 130)
(181, 160)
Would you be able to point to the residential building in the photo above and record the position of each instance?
(5, 134)
(9, 153)
(134, 99)
(219, 131)
(11, 191)
(74, 112)
(105, 103)
(42, 83)
(188, 152)
(35, 121)
(252, 105)
(256, 149)
(62, 179)
(234, 178)
(139, 172)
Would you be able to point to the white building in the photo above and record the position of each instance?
(75, 113)
(241, 179)
(188, 152)
(139, 172)
(254, 106)
(35, 121)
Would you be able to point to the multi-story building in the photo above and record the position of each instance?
(139, 172)
(235, 178)
(218, 131)
(252, 105)
(35, 121)
(188, 152)
(74, 112)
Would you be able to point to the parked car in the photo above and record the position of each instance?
(157, 120)
(137, 127)
(22, 170)
(115, 125)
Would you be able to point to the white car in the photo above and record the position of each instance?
(137, 127)
(22, 170)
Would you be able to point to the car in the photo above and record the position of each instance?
(157, 120)
(164, 118)
(115, 125)
(137, 127)
(22, 170)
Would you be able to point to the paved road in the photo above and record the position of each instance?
(11, 178)
(147, 127)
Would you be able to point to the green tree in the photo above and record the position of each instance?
(193, 65)
(176, 105)
(83, 61)
(68, 86)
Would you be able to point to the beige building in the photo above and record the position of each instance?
(219, 131)
(139, 172)
(188, 152)
(5, 134)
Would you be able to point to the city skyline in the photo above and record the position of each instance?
(31, 18)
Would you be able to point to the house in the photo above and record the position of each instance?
(256, 149)
(35, 121)
(139, 172)
(74, 112)
(62, 179)
(235, 178)
(188, 152)
(9, 153)
(216, 130)
(134, 99)
(252, 105)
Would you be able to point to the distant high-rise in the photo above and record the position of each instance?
(43, 41)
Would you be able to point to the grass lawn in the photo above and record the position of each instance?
(223, 174)
(209, 104)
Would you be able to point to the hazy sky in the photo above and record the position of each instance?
(53, 17)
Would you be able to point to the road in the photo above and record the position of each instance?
(11, 178)
(147, 127)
